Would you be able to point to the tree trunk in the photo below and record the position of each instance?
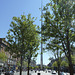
(58, 63)
(71, 70)
(69, 54)
(28, 66)
(58, 67)
(21, 66)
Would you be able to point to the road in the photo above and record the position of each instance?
(41, 73)
(33, 73)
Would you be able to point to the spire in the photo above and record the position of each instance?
(41, 38)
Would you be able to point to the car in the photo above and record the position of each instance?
(49, 70)
(1, 71)
(61, 73)
(9, 72)
(31, 70)
(53, 72)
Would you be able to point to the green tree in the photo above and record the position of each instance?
(18, 63)
(25, 64)
(56, 49)
(59, 24)
(55, 64)
(64, 63)
(3, 56)
(73, 59)
(22, 38)
(36, 67)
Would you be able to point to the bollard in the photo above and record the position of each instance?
(38, 74)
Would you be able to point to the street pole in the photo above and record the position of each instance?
(41, 38)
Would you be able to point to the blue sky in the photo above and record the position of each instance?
(10, 8)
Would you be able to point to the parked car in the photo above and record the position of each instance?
(49, 70)
(1, 71)
(53, 72)
(9, 72)
(61, 73)
(31, 69)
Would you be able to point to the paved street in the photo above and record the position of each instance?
(33, 73)
(41, 73)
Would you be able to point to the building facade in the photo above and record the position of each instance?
(10, 61)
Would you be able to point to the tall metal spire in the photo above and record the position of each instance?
(41, 37)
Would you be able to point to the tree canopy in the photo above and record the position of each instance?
(22, 35)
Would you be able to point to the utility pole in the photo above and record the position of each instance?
(41, 37)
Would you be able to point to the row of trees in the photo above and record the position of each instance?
(64, 62)
(58, 29)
